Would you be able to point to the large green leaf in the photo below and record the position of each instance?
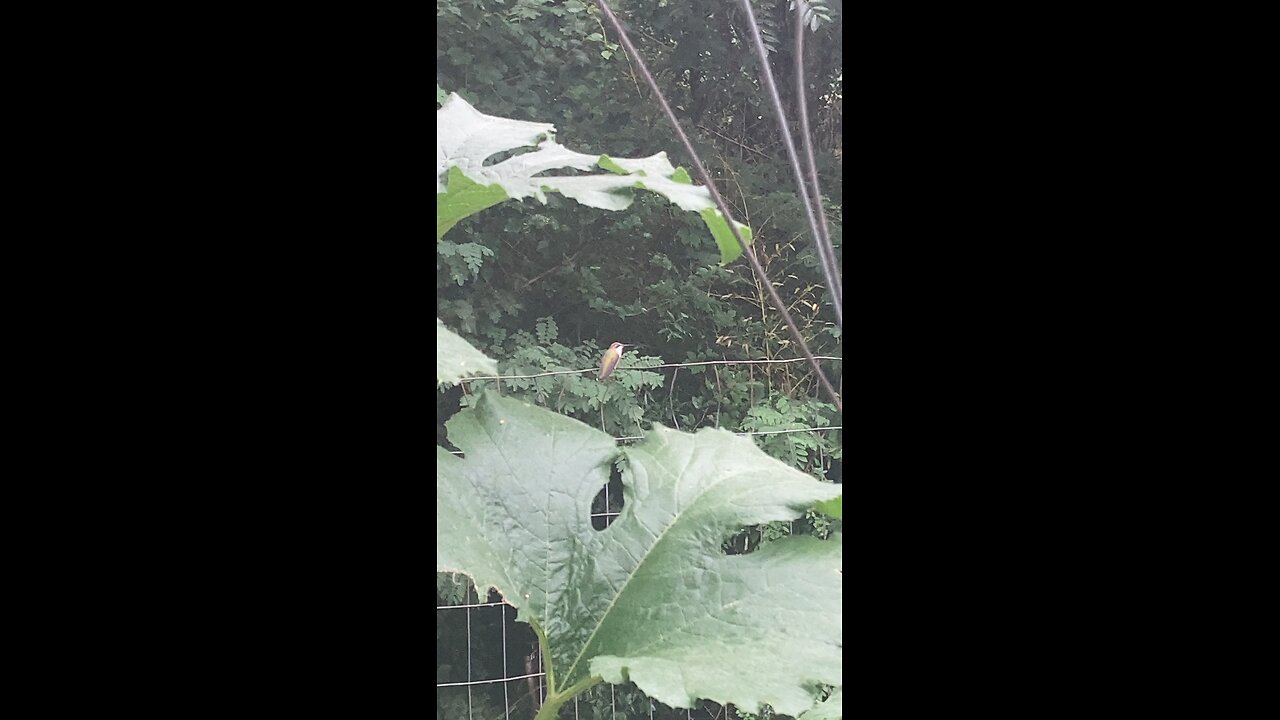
(652, 598)
(456, 358)
(466, 138)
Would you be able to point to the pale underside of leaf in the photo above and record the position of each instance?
(467, 138)
(456, 358)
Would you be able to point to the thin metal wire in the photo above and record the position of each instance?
(756, 432)
(651, 367)
(469, 657)
(506, 696)
(489, 682)
(782, 432)
(473, 605)
(542, 695)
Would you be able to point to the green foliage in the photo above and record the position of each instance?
(609, 702)
(453, 702)
(453, 589)
(463, 260)
(819, 13)
(632, 603)
(618, 405)
(804, 450)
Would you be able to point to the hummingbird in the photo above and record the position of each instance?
(610, 360)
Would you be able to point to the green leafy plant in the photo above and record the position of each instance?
(803, 450)
(617, 406)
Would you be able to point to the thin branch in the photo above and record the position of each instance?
(553, 268)
(735, 142)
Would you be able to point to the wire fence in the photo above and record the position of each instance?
(500, 378)
(650, 367)
(759, 432)
(519, 710)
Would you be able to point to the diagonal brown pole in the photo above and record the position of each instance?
(724, 209)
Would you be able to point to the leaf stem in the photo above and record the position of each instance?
(546, 657)
(556, 698)
(551, 707)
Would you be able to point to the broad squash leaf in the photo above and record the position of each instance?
(466, 138)
(456, 358)
(652, 599)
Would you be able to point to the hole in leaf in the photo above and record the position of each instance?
(567, 172)
(739, 544)
(502, 155)
(750, 539)
(608, 502)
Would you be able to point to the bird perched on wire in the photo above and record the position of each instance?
(610, 361)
